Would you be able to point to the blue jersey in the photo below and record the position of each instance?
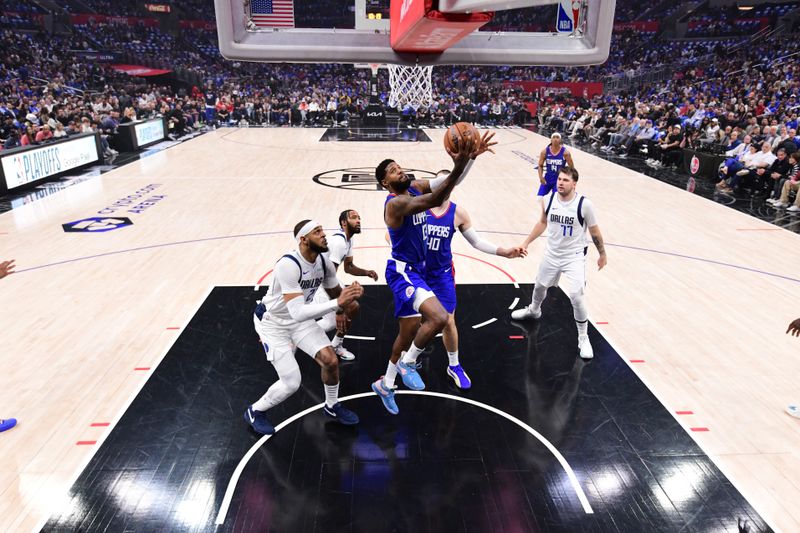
(553, 164)
(408, 241)
(440, 233)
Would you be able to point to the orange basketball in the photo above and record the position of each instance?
(458, 131)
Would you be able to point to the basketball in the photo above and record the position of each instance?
(458, 131)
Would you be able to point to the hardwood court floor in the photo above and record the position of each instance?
(701, 301)
(445, 464)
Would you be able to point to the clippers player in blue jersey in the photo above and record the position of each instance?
(420, 314)
(552, 159)
(440, 271)
(567, 218)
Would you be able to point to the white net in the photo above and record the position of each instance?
(410, 85)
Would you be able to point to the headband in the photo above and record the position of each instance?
(310, 226)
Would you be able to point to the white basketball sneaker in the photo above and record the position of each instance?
(585, 347)
(526, 313)
(793, 410)
(344, 354)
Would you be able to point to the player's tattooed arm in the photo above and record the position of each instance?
(597, 239)
(598, 242)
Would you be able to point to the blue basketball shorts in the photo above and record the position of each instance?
(443, 284)
(408, 286)
(547, 188)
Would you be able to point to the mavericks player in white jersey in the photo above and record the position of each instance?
(285, 319)
(340, 250)
(567, 217)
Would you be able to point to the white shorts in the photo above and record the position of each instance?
(280, 341)
(574, 268)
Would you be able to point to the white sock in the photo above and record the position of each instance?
(412, 354)
(453, 357)
(583, 328)
(337, 341)
(331, 394)
(391, 374)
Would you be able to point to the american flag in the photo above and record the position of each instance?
(272, 13)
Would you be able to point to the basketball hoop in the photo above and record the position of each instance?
(410, 85)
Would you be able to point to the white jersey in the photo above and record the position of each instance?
(339, 247)
(567, 226)
(292, 275)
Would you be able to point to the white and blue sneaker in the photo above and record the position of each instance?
(386, 395)
(259, 421)
(460, 377)
(7, 424)
(343, 353)
(793, 410)
(341, 414)
(411, 377)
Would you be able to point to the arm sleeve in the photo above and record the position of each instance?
(301, 311)
(478, 243)
(588, 213)
(330, 280)
(437, 182)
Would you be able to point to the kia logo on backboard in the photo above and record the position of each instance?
(96, 224)
(694, 166)
(362, 178)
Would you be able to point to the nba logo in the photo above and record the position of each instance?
(19, 167)
(694, 166)
(568, 12)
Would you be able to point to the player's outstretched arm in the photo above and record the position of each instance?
(484, 144)
(597, 239)
(537, 230)
(464, 225)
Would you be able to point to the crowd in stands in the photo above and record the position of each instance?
(708, 21)
(706, 12)
(743, 104)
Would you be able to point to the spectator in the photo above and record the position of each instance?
(767, 177)
(790, 186)
(794, 161)
(44, 134)
(29, 137)
(669, 150)
(60, 132)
